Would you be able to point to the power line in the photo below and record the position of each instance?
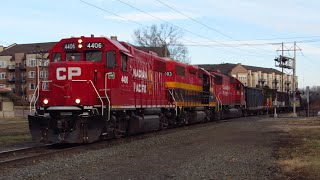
(281, 38)
(255, 44)
(182, 27)
(135, 22)
(92, 5)
(209, 27)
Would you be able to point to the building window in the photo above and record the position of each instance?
(2, 75)
(3, 64)
(45, 74)
(2, 86)
(41, 74)
(30, 97)
(32, 74)
(32, 86)
(32, 63)
(45, 62)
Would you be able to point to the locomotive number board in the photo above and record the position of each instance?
(69, 46)
(94, 45)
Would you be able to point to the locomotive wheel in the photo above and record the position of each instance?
(121, 128)
(218, 115)
(245, 113)
(164, 123)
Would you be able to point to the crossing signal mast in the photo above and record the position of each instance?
(289, 63)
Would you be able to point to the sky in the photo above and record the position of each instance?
(215, 31)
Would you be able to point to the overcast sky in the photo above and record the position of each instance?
(231, 31)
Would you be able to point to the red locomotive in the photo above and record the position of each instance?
(230, 95)
(103, 88)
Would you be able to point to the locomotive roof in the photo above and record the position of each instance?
(119, 45)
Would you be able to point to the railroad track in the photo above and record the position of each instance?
(24, 156)
(30, 154)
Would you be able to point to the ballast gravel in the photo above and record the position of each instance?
(233, 149)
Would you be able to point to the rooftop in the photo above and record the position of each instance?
(161, 51)
(225, 68)
(27, 48)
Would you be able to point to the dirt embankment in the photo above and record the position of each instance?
(299, 148)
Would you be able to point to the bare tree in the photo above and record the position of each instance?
(163, 35)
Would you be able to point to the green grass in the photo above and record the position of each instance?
(6, 140)
(14, 130)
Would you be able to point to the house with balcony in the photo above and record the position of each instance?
(253, 76)
(18, 67)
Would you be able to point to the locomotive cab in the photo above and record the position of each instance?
(74, 104)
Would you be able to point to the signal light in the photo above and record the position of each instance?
(79, 46)
(45, 101)
(79, 40)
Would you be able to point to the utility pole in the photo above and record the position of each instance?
(294, 80)
(282, 69)
(289, 63)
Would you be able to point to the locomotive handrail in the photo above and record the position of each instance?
(105, 92)
(219, 100)
(94, 89)
(33, 99)
(175, 102)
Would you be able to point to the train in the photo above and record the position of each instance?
(102, 88)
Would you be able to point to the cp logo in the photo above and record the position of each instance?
(72, 71)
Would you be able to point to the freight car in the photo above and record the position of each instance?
(254, 101)
(103, 88)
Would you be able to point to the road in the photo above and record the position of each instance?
(233, 149)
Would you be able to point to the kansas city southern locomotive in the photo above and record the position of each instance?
(102, 88)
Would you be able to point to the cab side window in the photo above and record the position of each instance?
(111, 59)
(124, 62)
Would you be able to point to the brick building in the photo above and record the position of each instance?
(18, 67)
(253, 76)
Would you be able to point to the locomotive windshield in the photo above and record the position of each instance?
(94, 56)
(73, 56)
(56, 57)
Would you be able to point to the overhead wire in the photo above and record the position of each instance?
(184, 29)
(140, 24)
(197, 43)
(205, 25)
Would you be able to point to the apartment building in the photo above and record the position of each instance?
(253, 76)
(18, 64)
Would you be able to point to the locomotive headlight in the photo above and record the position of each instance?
(79, 40)
(79, 46)
(78, 101)
(45, 101)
